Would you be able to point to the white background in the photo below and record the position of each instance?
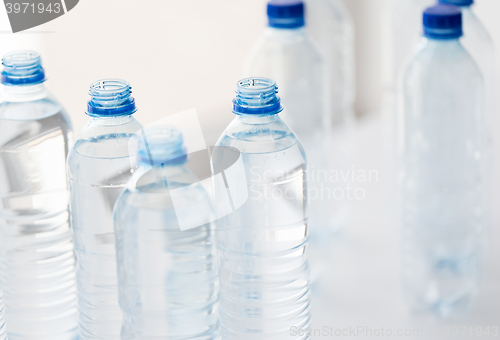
(188, 54)
(183, 54)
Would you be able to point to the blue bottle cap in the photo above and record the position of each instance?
(111, 97)
(462, 3)
(22, 68)
(286, 13)
(443, 22)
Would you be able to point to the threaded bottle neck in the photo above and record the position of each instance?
(22, 68)
(111, 98)
(257, 96)
(161, 145)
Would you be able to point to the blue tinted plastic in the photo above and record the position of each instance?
(22, 68)
(443, 22)
(111, 97)
(162, 146)
(457, 2)
(286, 14)
(165, 252)
(257, 96)
(263, 231)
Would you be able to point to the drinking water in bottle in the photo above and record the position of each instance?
(3, 330)
(99, 167)
(287, 54)
(441, 145)
(264, 272)
(37, 260)
(167, 275)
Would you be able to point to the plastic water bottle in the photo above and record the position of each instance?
(99, 167)
(263, 265)
(478, 43)
(167, 275)
(441, 144)
(406, 32)
(37, 260)
(329, 24)
(3, 330)
(286, 54)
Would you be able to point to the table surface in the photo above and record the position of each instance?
(359, 290)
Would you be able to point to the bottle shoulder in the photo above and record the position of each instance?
(286, 44)
(259, 135)
(31, 107)
(108, 138)
(157, 187)
(441, 61)
(335, 9)
(475, 33)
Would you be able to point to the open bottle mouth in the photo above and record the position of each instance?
(22, 68)
(111, 97)
(161, 145)
(257, 95)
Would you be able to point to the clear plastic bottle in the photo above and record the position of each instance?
(406, 31)
(441, 123)
(167, 276)
(3, 329)
(329, 24)
(99, 167)
(286, 54)
(37, 260)
(478, 43)
(264, 271)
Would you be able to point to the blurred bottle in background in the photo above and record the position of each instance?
(402, 35)
(264, 271)
(287, 54)
(329, 24)
(406, 32)
(3, 329)
(441, 181)
(478, 43)
(37, 260)
(167, 276)
(99, 167)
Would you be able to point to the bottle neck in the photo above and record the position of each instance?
(111, 120)
(467, 13)
(258, 119)
(442, 43)
(257, 97)
(23, 93)
(111, 98)
(286, 33)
